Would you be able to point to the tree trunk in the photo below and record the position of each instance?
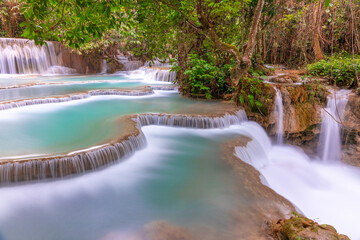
(243, 63)
(249, 50)
(316, 33)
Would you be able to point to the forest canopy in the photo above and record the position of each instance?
(217, 46)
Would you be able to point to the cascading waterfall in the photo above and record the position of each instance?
(330, 137)
(85, 160)
(22, 56)
(103, 67)
(309, 184)
(279, 110)
(30, 170)
(192, 121)
(37, 101)
(157, 63)
(160, 74)
(128, 64)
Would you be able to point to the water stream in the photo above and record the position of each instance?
(177, 176)
(21, 56)
(279, 123)
(330, 138)
(323, 189)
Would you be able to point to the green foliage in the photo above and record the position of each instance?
(73, 22)
(341, 70)
(327, 3)
(10, 18)
(251, 90)
(204, 77)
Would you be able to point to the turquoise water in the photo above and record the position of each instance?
(64, 127)
(62, 89)
(178, 177)
(61, 85)
(13, 80)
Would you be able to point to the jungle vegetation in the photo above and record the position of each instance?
(218, 47)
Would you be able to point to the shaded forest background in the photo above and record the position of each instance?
(218, 47)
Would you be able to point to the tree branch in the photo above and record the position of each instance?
(184, 16)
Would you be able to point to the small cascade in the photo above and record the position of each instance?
(280, 119)
(22, 56)
(103, 67)
(292, 174)
(160, 74)
(31, 170)
(84, 160)
(128, 64)
(37, 101)
(192, 121)
(157, 63)
(164, 88)
(329, 149)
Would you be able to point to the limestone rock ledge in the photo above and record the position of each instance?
(301, 228)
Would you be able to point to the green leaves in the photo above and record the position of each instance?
(205, 77)
(340, 69)
(327, 3)
(73, 22)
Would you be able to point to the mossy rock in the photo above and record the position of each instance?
(301, 228)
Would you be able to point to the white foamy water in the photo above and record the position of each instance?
(328, 193)
(170, 179)
(279, 110)
(160, 74)
(330, 138)
(22, 56)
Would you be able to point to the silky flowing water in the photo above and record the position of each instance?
(177, 177)
(64, 127)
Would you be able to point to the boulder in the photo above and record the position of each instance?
(301, 228)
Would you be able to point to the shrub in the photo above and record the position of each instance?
(341, 70)
(206, 78)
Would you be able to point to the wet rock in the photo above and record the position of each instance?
(301, 114)
(299, 227)
(162, 230)
(351, 133)
(82, 64)
(281, 79)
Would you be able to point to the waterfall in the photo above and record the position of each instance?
(329, 149)
(160, 74)
(164, 88)
(192, 121)
(38, 169)
(128, 64)
(60, 99)
(103, 67)
(94, 158)
(280, 119)
(157, 63)
(22, 56)
(315, 188)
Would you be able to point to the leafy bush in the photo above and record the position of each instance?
(206, 78)
(339, 69)
(256, 95)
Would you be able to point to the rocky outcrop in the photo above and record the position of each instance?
(302, 106)
(298, 227)
(81, 63)
(351, 133)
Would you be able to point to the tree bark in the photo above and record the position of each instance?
(243, 62)
(316, 32)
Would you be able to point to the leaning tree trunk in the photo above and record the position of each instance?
(249, 50)
(243, 62)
